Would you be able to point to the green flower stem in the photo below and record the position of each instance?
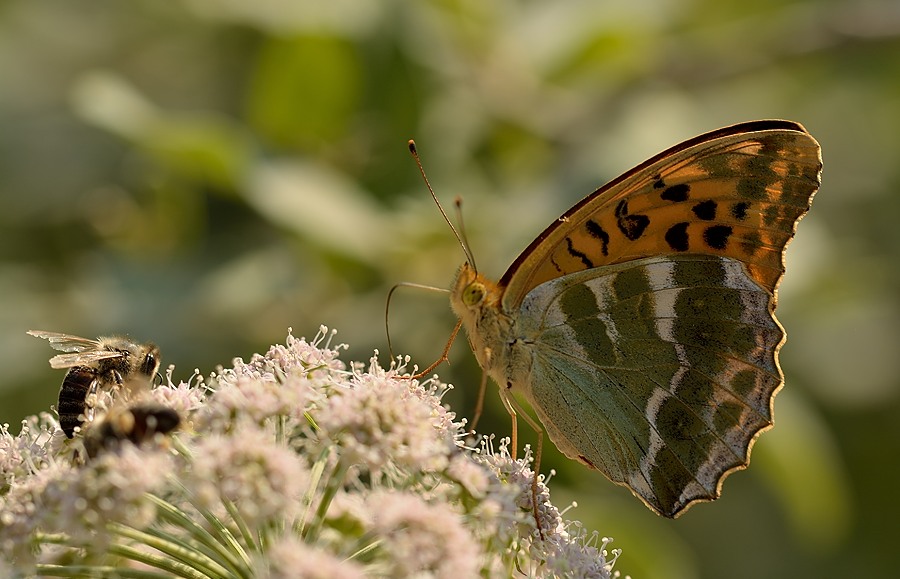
(168, 512)
(181, 448)
(269, 533)
(99, 572)
(311, 421)
(53, 538)
(201, 549)
(280, 422)
(188, 562)
(315, 476)
(222, 532)
(178, 568)
(335, 482)
(246, 533)
(174, 548)
(369, 543)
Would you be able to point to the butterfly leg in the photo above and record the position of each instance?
(514, 410)
(444, 357)
(507, 403)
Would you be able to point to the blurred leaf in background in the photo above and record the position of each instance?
(205, 174)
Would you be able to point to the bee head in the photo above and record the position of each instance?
(149, 364)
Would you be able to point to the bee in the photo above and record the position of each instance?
(107, 363)
(137, 424)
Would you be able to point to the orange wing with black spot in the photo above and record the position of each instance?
(736, 192)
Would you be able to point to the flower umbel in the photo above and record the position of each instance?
(289, 465)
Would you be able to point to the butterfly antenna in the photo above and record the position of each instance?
(387, 306)
(462, 233)
(460, 238)
(446, 353)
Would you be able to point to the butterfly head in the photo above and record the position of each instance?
(469, 292)
(476, 301)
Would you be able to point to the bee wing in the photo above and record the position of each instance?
(81, 358)
(65, 342)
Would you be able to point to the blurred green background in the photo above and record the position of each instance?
(205, 174)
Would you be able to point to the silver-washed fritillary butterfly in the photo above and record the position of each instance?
(640, 325)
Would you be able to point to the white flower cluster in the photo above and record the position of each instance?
(289, 465)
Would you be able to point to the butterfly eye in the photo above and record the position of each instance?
(473, 294)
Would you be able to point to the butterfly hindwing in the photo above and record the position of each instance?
(659, 372)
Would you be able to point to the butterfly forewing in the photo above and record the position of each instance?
(659, 372)
(736, 192)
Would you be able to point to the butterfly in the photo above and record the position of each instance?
(640, 325)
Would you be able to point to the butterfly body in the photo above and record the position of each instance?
(640, 326)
